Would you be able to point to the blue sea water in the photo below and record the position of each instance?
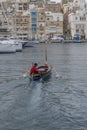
(57, 104)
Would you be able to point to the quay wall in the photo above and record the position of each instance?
(64, 41)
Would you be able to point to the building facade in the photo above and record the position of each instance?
(78, 23)
(41, 24)
(66, 1)
(68, 8)
(27, 19)
(54, 24)
(5, 22)
(20, 18)
(53, 7)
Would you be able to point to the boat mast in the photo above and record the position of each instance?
(15, 19)
(45, 55)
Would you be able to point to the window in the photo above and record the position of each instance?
(77, 30)
(25, 20)
(34, 27)
(76, 18)
(47, 18)
(79, 25)
(82, 30)
(0, 23)
(76, 1)
(41, 18)
(40, 25)
(34, 20)
(20, 8)
(76, 25)
(34, 13)
(80, 18)
(57, 18)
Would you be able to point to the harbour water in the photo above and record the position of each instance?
(57, 104)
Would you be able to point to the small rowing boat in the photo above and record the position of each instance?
(45, 73)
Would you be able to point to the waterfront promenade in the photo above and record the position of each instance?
(66, 41)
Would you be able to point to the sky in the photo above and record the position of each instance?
(60, 0)
(56, 0)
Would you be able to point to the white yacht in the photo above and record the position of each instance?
(18, 45)
(7, 48)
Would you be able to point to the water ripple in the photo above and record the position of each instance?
(58, 104)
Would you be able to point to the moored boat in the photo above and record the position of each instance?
(78, 41)
(18, 46)
(45, 73)
(7, 48)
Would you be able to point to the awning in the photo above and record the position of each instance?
(52, 30)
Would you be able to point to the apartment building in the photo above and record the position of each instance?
(79, 3)
(5, 21)
(27, 19)
(21, 25)
(53, 7)
(65, 1)
(41, 24)
(33, 21)
(78, 23)
(54, 24)
(68, 8)
(21, 19)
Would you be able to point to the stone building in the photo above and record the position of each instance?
(69, 7)
(27, 19)
(5, 20)
(78, 23)
(54, 24)
(21, 19)
(21, 25)
(38, 3)
(41, 24)
(33, 10)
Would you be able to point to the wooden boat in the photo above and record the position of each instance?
(45, 73)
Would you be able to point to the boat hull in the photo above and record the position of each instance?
(7, 48)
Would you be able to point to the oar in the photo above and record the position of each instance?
(46, 55)
(25, 74)
(57, 74)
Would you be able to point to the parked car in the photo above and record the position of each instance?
(58, 37)
(61, 35)
(77, 36)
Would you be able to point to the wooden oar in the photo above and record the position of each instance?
(35, 75)
(25, 74)
(57, 74)
(46, 55)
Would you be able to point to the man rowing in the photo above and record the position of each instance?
(34, 69)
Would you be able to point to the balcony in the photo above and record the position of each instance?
(41, 28)
(22, 32)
